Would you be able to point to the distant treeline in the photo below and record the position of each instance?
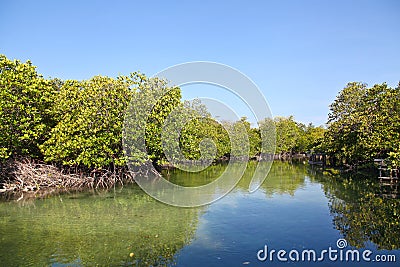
(80, 123)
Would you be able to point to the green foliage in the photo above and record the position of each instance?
(314, 137)
(380, 122)
(90, 116)
(288, 134)
(190, 134)
(343, 123)
(169, 98)
(193, 137)
(254, 137)
(239, 138)
(202, 138)
(149, 107)
(267, 132)
(80, 123)
(291, 136)
(364, 123)
(25, 100)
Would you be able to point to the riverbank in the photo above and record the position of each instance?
(30, 178)
(34, 177)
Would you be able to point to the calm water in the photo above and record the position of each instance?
(295, 209)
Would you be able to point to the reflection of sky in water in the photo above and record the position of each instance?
(289, 211)
(234, 228)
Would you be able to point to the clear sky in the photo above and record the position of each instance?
(299, 53)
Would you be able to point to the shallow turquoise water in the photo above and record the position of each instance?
(295, 209)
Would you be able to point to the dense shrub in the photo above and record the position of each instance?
(25, 102)
(364, 123)
(90, 116)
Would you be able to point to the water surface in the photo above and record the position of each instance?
(295, 208)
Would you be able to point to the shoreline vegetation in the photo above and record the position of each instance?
(36, 178)
(60, 135)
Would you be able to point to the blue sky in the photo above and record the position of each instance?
(299, 53)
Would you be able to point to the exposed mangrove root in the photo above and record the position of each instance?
(28, 175)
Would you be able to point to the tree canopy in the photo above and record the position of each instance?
(80, 123)
(26, 99)
(364, 123)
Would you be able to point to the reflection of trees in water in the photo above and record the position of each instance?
(88, 230)
(360, 214)
(192, 179)
(283, 178)
(358, 211)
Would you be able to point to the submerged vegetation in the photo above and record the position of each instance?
(122, 227)
(77, 127)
